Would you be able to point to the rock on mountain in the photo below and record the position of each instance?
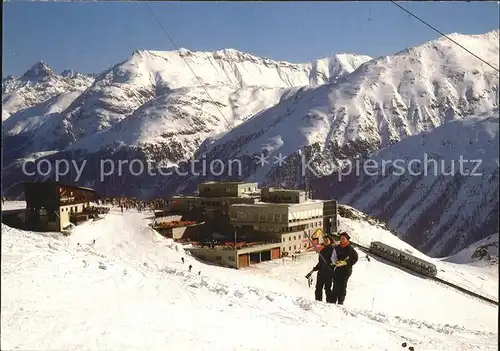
(36, 86)
(438, 189)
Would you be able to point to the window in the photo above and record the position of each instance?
(290, 248)
(230, 258)
(289, 238)
(300, 236)
(284, 239)
(294, 237)
(295, 247)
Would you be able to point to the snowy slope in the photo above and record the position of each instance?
(31, 130)
(479, 278)
(482, 253)
(13, 205)
(130, 291)
(38, 85)
(438, 209)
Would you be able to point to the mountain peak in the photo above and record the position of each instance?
(39, 70)
(69, 73)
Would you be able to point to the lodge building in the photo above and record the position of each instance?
(52, 206)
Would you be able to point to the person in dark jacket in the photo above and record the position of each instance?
(343, 258)
(325, 271)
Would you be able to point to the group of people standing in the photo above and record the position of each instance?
(334, 268)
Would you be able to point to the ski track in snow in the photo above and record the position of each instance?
(130, 291)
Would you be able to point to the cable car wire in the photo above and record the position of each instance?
(444, 35)
(164, 30)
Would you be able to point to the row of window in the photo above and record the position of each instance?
(274, 217)
(276, 229)
(69, 209)
(294, 238)
(308, 227)
(296, 247)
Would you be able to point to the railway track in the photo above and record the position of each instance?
(439, 280)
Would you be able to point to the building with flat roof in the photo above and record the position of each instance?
(238, 255)
(292, 223)
(212, 203)
(227, 189)
(277, 195)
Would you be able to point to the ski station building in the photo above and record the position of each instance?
(254, 224)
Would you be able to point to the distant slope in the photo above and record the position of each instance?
(173, 126)
(481, 253)
(438, 209)
(478, 278)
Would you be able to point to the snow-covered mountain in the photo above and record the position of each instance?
(439, 208)
(130, 290)
(162, 84)
(381, 102)
(38, 85)
(152, 107)
(147, 75)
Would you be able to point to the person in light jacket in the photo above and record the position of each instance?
(325, 271)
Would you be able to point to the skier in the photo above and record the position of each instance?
(343, 258)
(182, 259)
(190, 266)
(325, 270)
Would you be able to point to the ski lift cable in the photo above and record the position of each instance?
(164, 30)
(444, 35)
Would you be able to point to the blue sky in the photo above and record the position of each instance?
(92, 36)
